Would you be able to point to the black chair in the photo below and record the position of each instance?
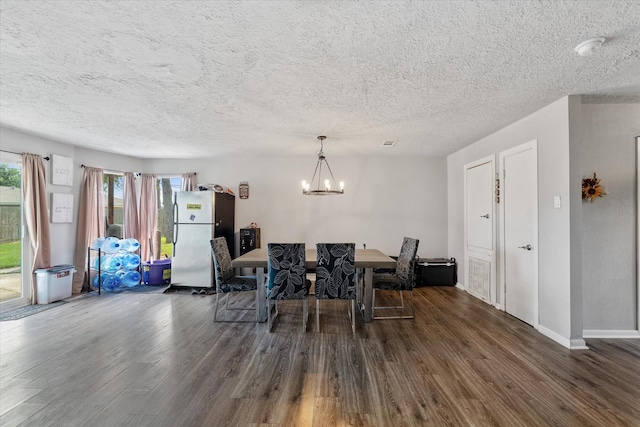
(336, 276)
(402, 280)
(226, 280)
(287, 278)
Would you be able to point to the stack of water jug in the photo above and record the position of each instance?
(118, 263)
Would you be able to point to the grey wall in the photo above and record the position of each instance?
(609, 224)
(550, 127)
(587, 252)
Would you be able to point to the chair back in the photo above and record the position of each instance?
(406, 265)
(335, 271)
(287, 271)
(221, 261)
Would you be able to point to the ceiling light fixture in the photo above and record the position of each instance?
(314, 188)
(588, 47)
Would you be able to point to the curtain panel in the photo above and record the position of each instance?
(149, 238)
(91, 224)
(36, 214)
(130, 206)
(189, 182)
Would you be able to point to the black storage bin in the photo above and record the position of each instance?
(437, 272)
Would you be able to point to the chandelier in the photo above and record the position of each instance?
(320, 187)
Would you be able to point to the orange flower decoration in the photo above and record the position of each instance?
(591, 188)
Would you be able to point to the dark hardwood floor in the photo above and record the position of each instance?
(159, 360)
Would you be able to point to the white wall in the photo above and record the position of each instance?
(609, 224)
(550, 127)
(385, 199)
(63, 236)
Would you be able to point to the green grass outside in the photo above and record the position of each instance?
(165, 248)
(10, 254)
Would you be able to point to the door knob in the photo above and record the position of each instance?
(484, 216)
(528, 247)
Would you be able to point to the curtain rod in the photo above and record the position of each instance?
(138, 173)
(13, 152)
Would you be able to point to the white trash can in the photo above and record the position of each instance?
(54, 283)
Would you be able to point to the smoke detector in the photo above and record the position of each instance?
(588, 47)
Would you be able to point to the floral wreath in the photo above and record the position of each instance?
(591, 188)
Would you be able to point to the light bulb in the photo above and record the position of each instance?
(304, 184)
(327, 185)
(342, 185)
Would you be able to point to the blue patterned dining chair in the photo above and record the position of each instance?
(336, 276)
(226, 280)
(287, 278)
(402, 280)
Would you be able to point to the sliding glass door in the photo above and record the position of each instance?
(12, 291)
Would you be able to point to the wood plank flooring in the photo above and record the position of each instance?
(159, 360)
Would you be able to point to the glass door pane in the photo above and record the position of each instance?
(10, 228)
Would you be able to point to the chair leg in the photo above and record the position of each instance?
(270, 320)
(317, 315)
(400, 307)
(215, 311)
(353, 315)
(305, 314)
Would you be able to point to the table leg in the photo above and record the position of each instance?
(368, 294)
(261, 295)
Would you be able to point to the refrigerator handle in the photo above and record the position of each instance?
(175, 223)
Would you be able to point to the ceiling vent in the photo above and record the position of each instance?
(389, 143)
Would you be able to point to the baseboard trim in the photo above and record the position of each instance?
(460, 286)
(610, 333)
(571, 344)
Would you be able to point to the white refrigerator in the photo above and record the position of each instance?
(198, 217)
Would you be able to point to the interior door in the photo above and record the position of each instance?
(520, 232)
(480, 228)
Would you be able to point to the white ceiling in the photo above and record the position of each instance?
(160, 79)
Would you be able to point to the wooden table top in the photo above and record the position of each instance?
(365, 258)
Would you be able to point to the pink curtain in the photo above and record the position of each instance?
(189, 182)
(36, 214)
(148, 216)
(91, 224)
(130, 206)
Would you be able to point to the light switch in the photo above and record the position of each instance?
(556, 202)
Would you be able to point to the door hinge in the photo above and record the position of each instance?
(497, 191)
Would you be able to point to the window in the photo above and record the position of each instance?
(167, 187)
(113, 186)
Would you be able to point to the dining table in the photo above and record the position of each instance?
(366, 260)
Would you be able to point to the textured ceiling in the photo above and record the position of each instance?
(160, 79)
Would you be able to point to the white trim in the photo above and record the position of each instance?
(571, 344)
(502, 289)
(596, 333)
(638, 233)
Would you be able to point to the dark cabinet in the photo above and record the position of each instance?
(225, 205)
(249, 239)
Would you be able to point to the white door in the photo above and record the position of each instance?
(519, 203)
(480, 228)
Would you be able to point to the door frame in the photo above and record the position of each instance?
(638, 233)
(26, 256)
(531, 145)
(492, 286)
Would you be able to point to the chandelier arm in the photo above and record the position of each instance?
(314, 173)
(331, 173)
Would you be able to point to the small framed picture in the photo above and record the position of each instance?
(61, 170)
(244, 190)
